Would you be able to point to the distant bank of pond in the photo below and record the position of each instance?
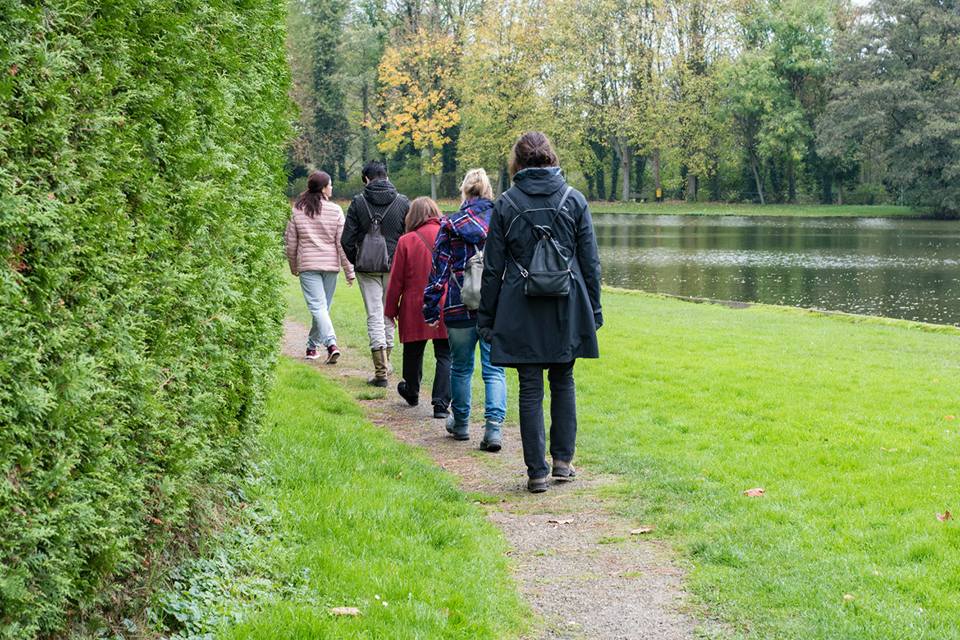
(894, 267)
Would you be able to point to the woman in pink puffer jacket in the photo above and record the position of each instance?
(313, 250)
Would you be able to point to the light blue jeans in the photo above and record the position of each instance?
(318, 288)
(463, 348)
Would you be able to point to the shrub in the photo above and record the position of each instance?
(141, 197)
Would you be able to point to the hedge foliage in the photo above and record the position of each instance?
(141, 182)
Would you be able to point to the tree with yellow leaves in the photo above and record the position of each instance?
(417, 95)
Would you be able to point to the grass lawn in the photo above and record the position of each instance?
(852, 427)
(373, 525)
(674, 208)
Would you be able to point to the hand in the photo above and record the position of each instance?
(349, 283)
(434, 324)
(486, 334)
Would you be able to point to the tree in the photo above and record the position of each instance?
(898, 90)
(315, 28)
(501, 89)
(417, 81)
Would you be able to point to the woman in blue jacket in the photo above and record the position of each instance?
(461, 236)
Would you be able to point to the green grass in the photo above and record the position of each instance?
(843, 420)
(373, 524)
(675, 207)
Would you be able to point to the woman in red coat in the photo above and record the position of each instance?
(409, 273)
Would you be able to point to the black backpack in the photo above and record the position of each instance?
(372, 256)
(549, 274)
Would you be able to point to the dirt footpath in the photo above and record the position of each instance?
(576, 562)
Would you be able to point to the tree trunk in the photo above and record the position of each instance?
(692, 185)
(433, 186)
(365, 132)
(756, 177)
(791, 181)
(626, 154)
(657, 186)
(614, 173)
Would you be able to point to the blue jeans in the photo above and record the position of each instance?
(463, 347)
(318, 288)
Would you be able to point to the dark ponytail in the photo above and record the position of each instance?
(311, 200)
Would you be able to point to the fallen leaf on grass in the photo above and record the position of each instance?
(888, 450)
(848, 597)
(756, 492)
(943, 517)
(345, 611)
(555, 521)
(949, 417)
(647, 528)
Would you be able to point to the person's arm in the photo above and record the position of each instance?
(344, 262)
(439, 276)
(290, 240)
(391, 308)
(351, 232)
(589, 258)
(494, 263)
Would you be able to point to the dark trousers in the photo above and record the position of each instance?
(563, 415)
(413, 369)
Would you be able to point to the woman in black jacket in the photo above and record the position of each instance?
(539, 317)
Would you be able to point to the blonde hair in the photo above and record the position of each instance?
(421, 210)
(476, 184)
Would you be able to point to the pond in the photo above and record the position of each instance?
(899, 268)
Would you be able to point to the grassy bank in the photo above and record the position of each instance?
(370, 524)
(677, 208)
(850, 425)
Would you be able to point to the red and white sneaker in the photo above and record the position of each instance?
(312, 354)
(333, 354)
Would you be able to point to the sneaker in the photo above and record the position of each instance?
(440, 412)
(404, 392)
(333, 354)
(563, 471)
(312, 354)
(537, 485)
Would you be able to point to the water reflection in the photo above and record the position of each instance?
(889, 267)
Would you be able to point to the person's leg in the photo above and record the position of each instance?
(311, 282)
(412, 369)
(495, 387)
(531, 420)
(330, 286)
(388, 327)
(441, 377)
(563, 412)
(463, 344)
(371, 290)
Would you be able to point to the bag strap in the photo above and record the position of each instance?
(366, 205)
(510, 201)
(424, 241)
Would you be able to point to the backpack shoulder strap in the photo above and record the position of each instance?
(424, 241)
(563, 200)
(510, 201)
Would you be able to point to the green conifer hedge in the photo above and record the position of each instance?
(141, 182)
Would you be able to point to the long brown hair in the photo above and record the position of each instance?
(421, 210)
(533, 149)
(311, 200)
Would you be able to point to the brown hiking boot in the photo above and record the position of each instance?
(379, 378)
(537, 485)
(563, 471)
(389, 351)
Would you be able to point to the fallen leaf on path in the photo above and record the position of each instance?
(647, 528)
(754, 493)
(555, 521)
(943, 517)
(345, 611)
